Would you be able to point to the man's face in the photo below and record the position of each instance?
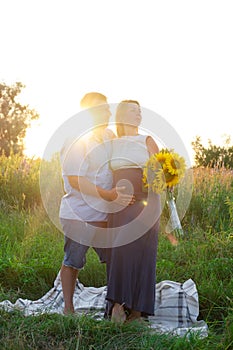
(101, 113)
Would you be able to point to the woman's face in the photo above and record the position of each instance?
(132, 115)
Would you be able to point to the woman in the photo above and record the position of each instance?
(131, 266)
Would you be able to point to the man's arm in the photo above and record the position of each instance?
(82, 184)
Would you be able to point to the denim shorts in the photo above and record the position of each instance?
(75, 252)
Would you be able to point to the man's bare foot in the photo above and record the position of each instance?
(68, 310)
(118, 313)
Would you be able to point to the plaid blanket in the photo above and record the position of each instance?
(176, 306)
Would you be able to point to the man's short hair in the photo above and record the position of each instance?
(92, 99)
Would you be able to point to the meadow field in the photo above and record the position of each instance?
(31, 250)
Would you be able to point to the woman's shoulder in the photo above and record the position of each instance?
(143, 137)
(109, 134)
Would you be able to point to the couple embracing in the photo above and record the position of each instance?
(102, 175)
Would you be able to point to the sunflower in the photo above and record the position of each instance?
(162, 156)
(163, 170)
(175, 164)
(159, 183)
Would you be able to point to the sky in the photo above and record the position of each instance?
(174, 57)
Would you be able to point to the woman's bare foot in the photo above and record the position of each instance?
(118, 313)
(172, 239)
(134, 315)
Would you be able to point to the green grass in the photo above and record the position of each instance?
(32, 252)
(59, 332)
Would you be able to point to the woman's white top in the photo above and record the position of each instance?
(129, 152)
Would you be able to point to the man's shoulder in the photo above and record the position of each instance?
(73, 144)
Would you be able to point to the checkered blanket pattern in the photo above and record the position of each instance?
(176, 306)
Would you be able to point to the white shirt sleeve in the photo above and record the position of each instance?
(74, 160)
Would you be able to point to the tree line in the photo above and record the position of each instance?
(16, 118)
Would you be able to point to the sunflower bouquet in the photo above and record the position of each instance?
(162, 172)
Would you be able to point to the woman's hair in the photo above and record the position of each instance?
(120, 112)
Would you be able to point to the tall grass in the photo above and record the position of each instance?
(32, 251)
(212, 198)
(24, 180)
(19, 182)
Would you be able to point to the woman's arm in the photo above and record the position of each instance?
(151, 145)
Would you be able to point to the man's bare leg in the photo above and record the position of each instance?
(68, 279)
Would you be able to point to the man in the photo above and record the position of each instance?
(88, 185)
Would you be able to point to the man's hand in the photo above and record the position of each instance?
(116, 194)
(82, 184)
